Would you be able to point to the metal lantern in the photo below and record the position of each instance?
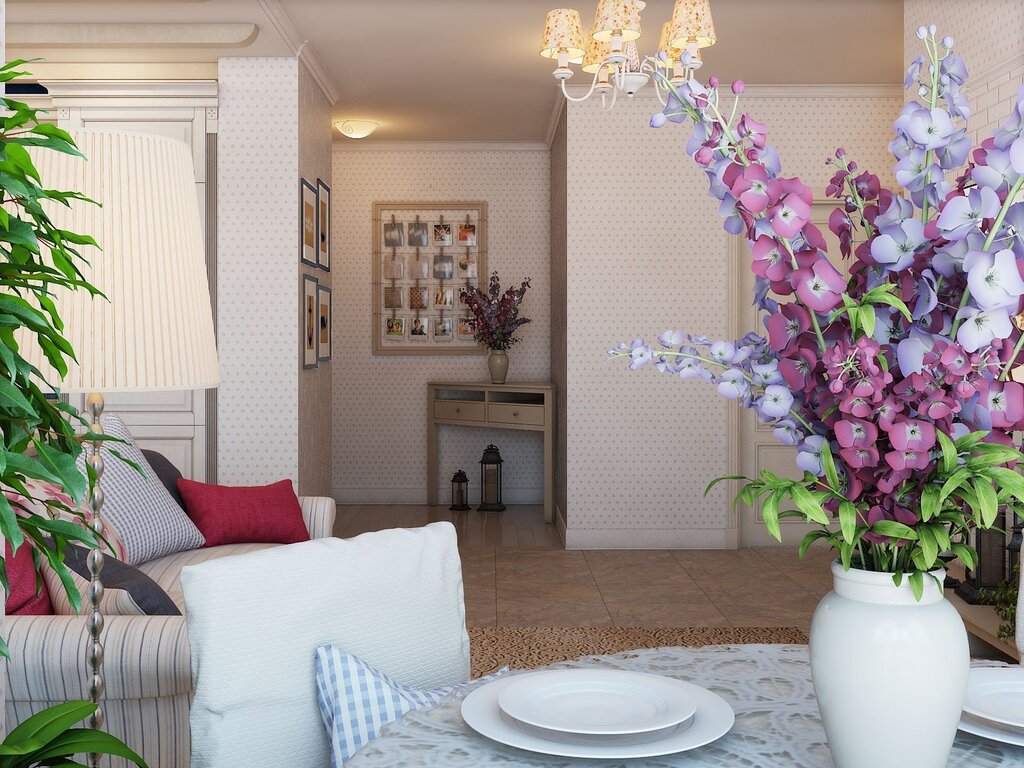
(490, 481)
(990, 570)
(460, 492)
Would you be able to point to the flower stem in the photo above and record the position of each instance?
(933, 57)
(1013, 357)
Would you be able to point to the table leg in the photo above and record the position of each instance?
(549, 473)
(431, 453)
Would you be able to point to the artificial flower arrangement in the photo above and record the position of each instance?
(893, 382)
(495, 314)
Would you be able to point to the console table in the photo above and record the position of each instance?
(502, 406)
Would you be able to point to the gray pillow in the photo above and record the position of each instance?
(166, 473)
(145, 594)
(151, 524)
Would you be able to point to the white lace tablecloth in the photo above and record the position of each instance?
(769, 687)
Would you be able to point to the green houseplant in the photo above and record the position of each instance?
(41, 435)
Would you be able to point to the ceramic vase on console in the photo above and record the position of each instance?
(497, 364)
(890, 671)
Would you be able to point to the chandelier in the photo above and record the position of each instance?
(609, 52)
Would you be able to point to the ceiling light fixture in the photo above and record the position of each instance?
(355, 129)
(610, 51)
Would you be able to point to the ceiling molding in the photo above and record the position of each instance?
(118, 71)
(556, 114)
(982, 79)
(362, 145)
(69, 93)
(300, 48)
(131, 35)
(793, 91)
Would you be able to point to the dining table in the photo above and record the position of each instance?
(768, 686)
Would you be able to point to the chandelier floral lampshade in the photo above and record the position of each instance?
(692, 23)
(563, 38)
(596, 55)
(617, 19)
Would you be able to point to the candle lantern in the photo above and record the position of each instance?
(490, 481)
(460, 492)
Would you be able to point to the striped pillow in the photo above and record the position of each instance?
(356, 700)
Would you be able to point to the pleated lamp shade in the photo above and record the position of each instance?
(620, 17)
(692, 22)
(154, 330)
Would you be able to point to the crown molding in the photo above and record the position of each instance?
(131, 35)
(982, 79)
(70, 93)
(792, 91)
(362, 145)
(301, 49)
(556, 114)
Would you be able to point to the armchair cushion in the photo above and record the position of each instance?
(244, 514)
(28, 595)
(393, 598)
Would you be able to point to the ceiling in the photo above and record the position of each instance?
(443, 70)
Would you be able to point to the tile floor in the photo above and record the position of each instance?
(517, 574)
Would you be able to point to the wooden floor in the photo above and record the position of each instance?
(516, 573)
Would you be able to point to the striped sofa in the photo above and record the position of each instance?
(147, 669)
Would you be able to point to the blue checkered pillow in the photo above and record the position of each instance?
(356, 700)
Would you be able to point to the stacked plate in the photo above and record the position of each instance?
(994, 705)
(597, 713)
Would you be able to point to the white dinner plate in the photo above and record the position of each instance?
(996, 695)
(979, 728)
(597, 701)
(714, 718)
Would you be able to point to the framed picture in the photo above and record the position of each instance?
(310, 319)
(419, 298)
(444, 266)
(323, 323)
(418, 234)
(425, 254)
(419, 329)
(323, 225)
(307, 215)
(394, 234)
(444, 298)
(442, 235)
(467, 236)
(394, 328)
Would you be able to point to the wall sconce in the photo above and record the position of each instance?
(356, 129)
(490, 481)
(460, 492)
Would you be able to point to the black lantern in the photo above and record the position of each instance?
(490, 481)
(460, 492)
(990, 569)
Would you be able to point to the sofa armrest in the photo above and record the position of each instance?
(318, 513)
(145, 657)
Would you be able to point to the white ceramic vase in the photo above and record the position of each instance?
(497, 365)
(890, 672)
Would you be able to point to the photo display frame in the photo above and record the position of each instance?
(424, 253)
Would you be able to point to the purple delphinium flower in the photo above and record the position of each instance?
(895, 247)
(808, 456)
(775, 402)
(994, 278)
(980, 328)
(732, 384)
(963, 214)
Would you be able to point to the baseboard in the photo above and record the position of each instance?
(419, 496)
(680, 538)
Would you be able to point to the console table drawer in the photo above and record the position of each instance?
(508, 413)
(458, 410)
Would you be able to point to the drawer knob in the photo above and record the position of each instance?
(515, 413)
(458, 410)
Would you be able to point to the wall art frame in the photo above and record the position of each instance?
(308, 209)
(431, 261)
(323, 225)
(308, 321)
(325, 323)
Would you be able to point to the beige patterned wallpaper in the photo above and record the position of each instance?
(646, 251)
(314, 384)
(257, 199)
(380, 402)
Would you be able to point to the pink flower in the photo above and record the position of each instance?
(770, 259)
(905, 459)
(820, 286)
(912, 435)
(786, 326)
(855, 433)
(858, 458)
(751, 187)
(1005, 403)
(749, 128)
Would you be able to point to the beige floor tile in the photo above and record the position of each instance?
(529, 611)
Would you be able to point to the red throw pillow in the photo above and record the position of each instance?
(227, 514)
(22, 600)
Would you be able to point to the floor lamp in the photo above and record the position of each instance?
(154, 330)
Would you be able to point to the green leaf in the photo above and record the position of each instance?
(949, 455)
(13, 401)
(968, 441)
(929, 547)
(987, 503)
(712, 484)
(828, 462)
(809, 539)
(965, 553)
(51, 722)
(62, 465)
(770, 513)
(916, 580)
(892, 301)
(867, 320)
(80, 741)
(930, 503)
(848, 520)
(1009, 480)
(894, 530)
(809, 505)
(955, 480)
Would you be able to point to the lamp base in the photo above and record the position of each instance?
(460, 507)
(491, 508)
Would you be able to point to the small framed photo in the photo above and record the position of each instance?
(323, 225)
(444, 266)
(307, 212)
(443, 329)
(444, 298)
(419, 298)
(443, 235)
(394, 234)
(418, 234)
(419, 266)
(323, 346)
(467, 235)
(310, 318)
(464, 328)
(394, 328)
(419, 329)
(467, 265)
(393, 298)
(394, 267)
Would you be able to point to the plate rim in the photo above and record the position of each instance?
(975, 677)
(690, 710)
(712, 701)
(969, 725)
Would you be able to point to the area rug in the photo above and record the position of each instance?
(528, 647)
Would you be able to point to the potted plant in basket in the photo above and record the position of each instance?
(495, 320)
(894, 382)
(40, 483)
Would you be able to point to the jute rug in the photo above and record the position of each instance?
(527, 647)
